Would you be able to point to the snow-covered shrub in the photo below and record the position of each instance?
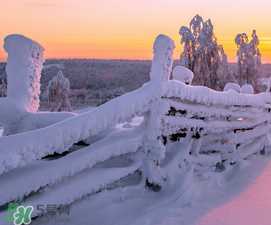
(182, 74)
(24, 65)
(247, 89)
(248, 58)
(58, 93)
(3, 88)
(202, 54)
(233, 87)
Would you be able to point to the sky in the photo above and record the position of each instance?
(126, 29)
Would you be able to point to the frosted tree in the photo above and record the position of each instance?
(58, 93)
(248, 58)
(3, 88)
(202, 54)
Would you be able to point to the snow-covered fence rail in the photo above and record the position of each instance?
(21, 149)
(225, 127)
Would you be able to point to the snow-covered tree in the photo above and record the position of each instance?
(202, 54)
(58, 93)
(3, 88)
(248, 58)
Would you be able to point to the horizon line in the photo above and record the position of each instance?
(118, 59)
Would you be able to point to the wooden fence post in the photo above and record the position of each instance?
(153, 147)
(24, 65)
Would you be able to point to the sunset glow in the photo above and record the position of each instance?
(126, 29)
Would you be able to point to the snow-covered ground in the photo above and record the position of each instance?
(251, 207)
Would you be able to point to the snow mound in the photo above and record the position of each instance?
(183, 74)
(232, 86)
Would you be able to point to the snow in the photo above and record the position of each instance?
(50, 172)
(247, 89)
(233, 87)
(10, 115)
(204, 95)
(85, 183)
(24, 65)
(183, 74)
(190, 202)
(251, 207)
(162, 58)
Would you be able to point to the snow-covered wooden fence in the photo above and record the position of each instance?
(223, 129)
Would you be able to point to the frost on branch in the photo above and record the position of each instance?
(183, 74)
(58, 93)
(202, 54)
(24, 65)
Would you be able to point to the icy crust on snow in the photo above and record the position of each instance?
(20, 149)
(24, 65)
(204, 95)
(50, 172)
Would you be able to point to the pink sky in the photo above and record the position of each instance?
(127, 28)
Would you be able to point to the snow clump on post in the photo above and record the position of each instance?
(24, 65)
(183, 74)
(162, 58)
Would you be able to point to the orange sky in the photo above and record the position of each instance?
(126, 28)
